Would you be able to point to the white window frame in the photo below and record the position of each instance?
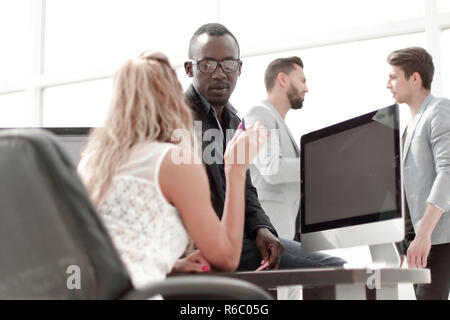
(433, 23)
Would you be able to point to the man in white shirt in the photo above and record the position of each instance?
(276, 173)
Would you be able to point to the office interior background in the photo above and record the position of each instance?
(58, 57)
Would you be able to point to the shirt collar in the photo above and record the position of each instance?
(207, 106)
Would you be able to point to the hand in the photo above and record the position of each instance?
(270, 247)
(242, 149)
(193, 263)
(418, 252)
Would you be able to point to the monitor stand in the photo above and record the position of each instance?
(385, 255)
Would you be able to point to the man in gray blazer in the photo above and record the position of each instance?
(426, 167)
(276, 172)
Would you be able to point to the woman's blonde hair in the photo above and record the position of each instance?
(147, 105)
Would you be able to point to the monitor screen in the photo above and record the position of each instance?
(72, 140)
(350, 172)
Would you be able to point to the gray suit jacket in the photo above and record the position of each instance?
(276, 171)
(426, 164)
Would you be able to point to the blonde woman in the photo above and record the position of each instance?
(150, 204)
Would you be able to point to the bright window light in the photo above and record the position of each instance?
(94, 36)
(15, 111)
(77, 105)
(443, 6)
(445, 41)
(15, 32)
(344, 81)
(289, 22)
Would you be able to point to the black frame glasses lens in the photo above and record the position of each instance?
(210, 66)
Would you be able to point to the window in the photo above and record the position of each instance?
(97, 36)
(15, 111)
(182, 76)
(87, 40)
(15, 38)
(344, 81)
(77, 105)
(289, 22)
(443, 6)
(445, 40)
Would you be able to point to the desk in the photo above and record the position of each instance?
(347, 284)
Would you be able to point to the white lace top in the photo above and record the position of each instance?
(145, 228)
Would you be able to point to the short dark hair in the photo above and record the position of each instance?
(414, 59)
(212, 29)
(285, 65)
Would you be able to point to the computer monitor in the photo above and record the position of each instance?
(351, 186)
(72, 139)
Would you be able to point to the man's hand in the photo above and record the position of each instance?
(192, 263)
(270, 247)
(418, 251)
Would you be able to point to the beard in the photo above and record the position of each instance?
(296, 103)
(294, 98)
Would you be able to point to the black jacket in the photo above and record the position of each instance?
(254, 213)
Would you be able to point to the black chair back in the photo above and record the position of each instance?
(52, 242)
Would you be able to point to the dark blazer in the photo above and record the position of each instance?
(254, 214)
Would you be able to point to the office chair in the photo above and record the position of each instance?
(50, 234)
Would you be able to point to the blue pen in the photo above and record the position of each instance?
(243, 124)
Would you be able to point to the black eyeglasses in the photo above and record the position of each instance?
(209, 66)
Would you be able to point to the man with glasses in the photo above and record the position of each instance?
(215, 66)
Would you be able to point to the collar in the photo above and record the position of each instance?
(282, 122)
(207, 106)
(274, 110)
(425, 103)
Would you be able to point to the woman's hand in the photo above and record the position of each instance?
(193, 263)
